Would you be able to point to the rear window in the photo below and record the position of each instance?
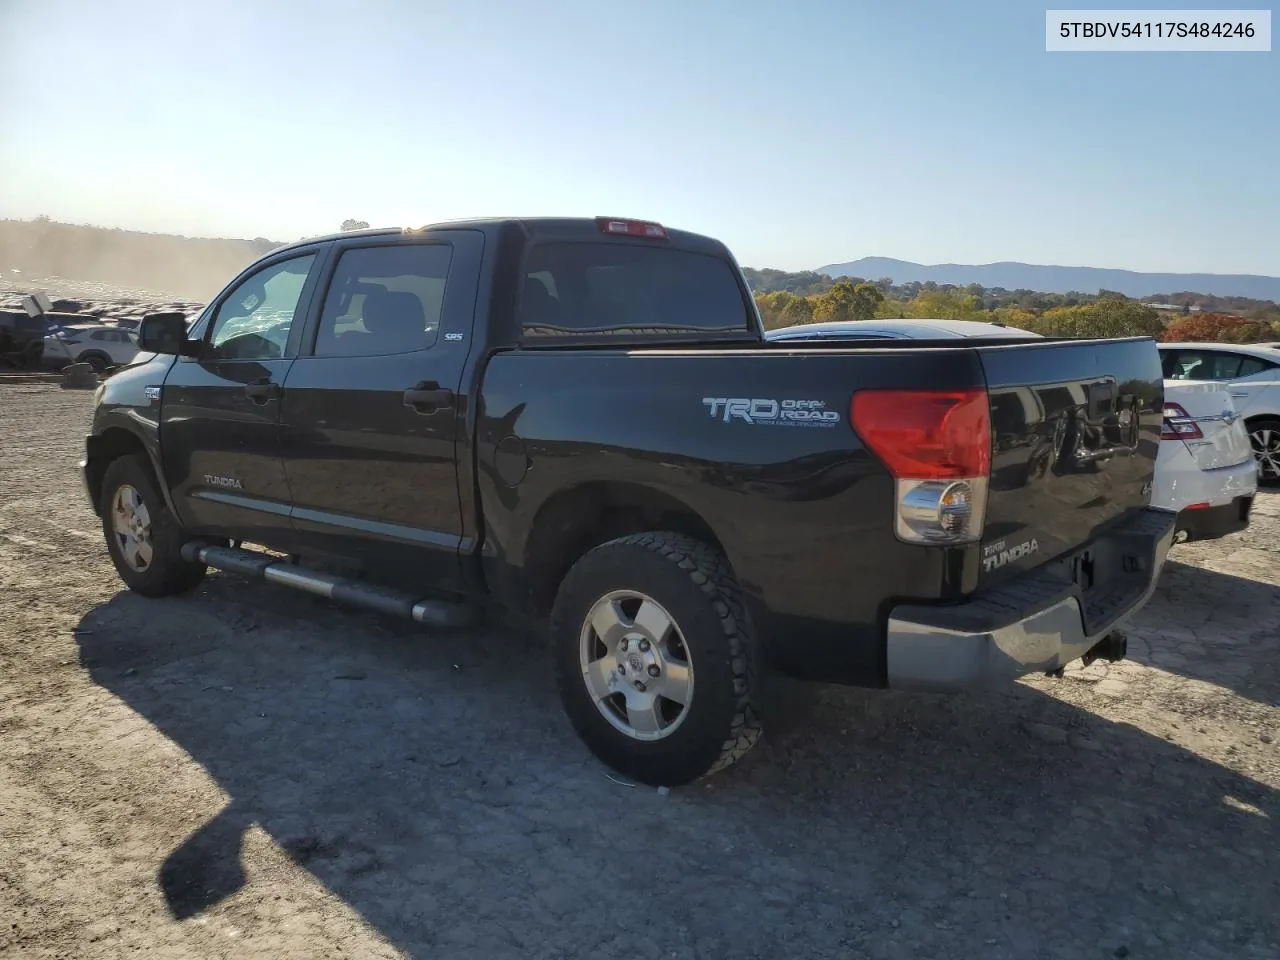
(575, 289)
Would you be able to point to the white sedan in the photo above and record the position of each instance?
(1205, 469)
(1251, 373)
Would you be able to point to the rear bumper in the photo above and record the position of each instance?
(1210, 523)
(1036, 623)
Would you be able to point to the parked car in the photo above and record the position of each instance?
(98, 345)
(1206, 470)
(580, 422)
(1252, 372)
(21, 340)
(900, 329)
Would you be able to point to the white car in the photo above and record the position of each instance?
(100, 346)
(1205, 469)
(1251, 372)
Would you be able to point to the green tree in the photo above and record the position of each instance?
(891, 309)
(354, 225)
(1114, 316)
(945, 305)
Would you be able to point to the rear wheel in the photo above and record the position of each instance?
(1264, 435)
(654, 658)
(143, 537)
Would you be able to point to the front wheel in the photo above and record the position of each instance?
(143, 537)
(1264, 436)
(654, 658)
(95, 360)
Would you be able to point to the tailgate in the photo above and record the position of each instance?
(1075, 435)
(1211, 428)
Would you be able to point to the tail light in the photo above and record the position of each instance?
(1178, 424)
(937, 445)
(632, 228)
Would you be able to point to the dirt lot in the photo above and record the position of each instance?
(247, 772)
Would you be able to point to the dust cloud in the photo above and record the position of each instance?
(190, 267)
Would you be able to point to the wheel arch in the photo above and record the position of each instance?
(574, 520)
(102, 449)
(84, 355)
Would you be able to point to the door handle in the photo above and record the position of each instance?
(427, 396)
(1239, 396)
(260, 391)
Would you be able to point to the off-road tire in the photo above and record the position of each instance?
(168, 573)
(694, 583)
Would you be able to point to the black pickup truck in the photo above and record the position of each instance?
(579, 421)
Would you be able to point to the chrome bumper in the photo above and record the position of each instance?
(936, 648)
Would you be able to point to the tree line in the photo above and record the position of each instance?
(1106, 315)
(807, 283)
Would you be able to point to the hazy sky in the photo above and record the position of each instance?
(801, 133)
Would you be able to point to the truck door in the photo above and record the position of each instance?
(371, 417)
(219, 421)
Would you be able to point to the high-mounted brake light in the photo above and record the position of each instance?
(1178, 424)
(937, 445)
(632, 228)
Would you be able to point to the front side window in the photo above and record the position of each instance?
(384, 300)
(254, 320)
(619, 288)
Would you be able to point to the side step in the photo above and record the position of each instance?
(434, 613)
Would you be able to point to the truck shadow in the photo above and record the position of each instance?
(434, 786)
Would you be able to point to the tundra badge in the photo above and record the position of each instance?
(996, 555)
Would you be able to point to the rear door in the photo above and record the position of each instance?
(1075, 432)
(371, 414)
(220, 411)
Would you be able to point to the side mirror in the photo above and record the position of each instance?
(166, 333)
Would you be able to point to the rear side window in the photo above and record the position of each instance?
(1251, 365)
(384, 300)
(576, 289)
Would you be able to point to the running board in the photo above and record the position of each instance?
(434, 613)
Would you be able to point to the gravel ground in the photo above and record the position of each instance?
(248, 772)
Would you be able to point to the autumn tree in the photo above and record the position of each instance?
(848, 301)
(797, 310)
(781, 308)
(1218, 328)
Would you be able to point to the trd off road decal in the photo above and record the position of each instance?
(766, 411)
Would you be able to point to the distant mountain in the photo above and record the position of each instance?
(1030, 276)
